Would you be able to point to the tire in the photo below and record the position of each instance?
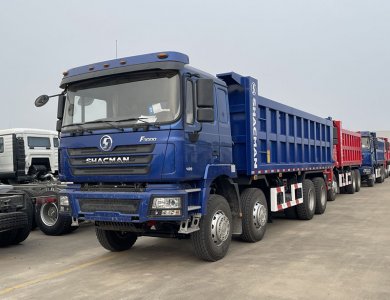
(211, 242)
(321, 195)
(381, 179)
(332, 193)
(305, 210)
(7, 237)
(32, 195)
(115, 241)
(254, 215)
(351, 188)
(358, 180)
(370, 182)
(291, 213)
(23, 233)
(48, 219)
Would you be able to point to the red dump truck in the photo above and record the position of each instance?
(347, 155)
(387, 157)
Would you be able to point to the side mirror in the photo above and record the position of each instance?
(205, 115)
(205, 92)
(61, 106)
(59, 125)
(41, 100)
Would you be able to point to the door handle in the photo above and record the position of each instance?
(215, 153)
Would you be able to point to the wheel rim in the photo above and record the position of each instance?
(311, 200)
(220, 228)
(334, 186)
(323, 196)
(49, 214)
(259, 215)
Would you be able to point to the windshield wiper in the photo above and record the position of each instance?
(107, 122)
(142, 119)
(80, 128)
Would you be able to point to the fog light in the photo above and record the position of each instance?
(166, 203)
(64, 201)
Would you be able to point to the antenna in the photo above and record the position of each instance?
(116, 48)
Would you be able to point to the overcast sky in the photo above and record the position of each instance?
(329, 58)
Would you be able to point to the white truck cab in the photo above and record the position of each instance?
(28, 154)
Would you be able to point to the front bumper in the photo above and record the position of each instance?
(128, 206)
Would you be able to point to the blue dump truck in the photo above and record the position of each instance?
(155, 147)
(373, 167)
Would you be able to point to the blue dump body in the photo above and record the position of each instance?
(274, 137)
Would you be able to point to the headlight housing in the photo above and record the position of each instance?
(64, 201)
(64, 204)
(166, 203)
(166, 206)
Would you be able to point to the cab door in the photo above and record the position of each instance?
(202, 144)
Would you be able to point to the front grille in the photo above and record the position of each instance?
(122, 160)
(147, 148)
(124, 206)
(113, 188)
(110, 160)
(111, 171)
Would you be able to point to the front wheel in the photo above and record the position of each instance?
(211, 242)
(254, 215)
(48, 218)
(370, 182)
(115, 240)
(381, 178)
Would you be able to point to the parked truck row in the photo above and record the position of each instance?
(155, 147)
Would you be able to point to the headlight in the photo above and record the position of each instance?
(64, 201)
(166, 206)
(166, 203)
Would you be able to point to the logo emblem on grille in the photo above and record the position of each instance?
(106, 143)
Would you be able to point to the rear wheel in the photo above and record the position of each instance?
(24, 232)
(358, 180)
(115, 240)
(305, 211)
(7, 237)
(351, 188)
(321, 195)
(211, 242)
(254, 215)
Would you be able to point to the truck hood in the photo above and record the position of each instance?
(117, 157)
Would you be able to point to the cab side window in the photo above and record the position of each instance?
(189, 103)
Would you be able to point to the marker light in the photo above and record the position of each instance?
(162, 55)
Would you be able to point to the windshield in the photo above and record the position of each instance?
(146, 97)
(365, 143)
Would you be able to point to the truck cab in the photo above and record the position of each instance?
(28, 155)
(373, 158)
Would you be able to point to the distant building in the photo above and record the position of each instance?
(383, 133)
